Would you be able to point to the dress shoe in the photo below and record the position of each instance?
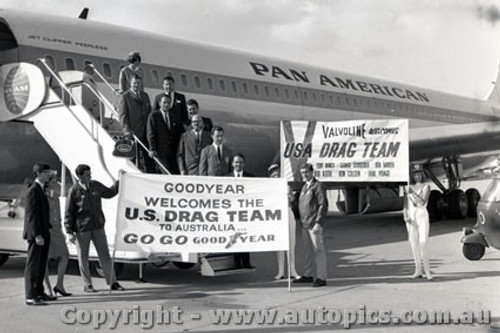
(61, 291)
(45, 297)
(117, 286)
(89, 289)
(319, 283)
(248, 267)
(35, 301)
(279, 277)
(304, 279)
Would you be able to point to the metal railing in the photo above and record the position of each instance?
(114, 112)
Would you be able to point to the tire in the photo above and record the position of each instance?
(99, 271)
(183, 265)
(457, 204)
(473, 251)
(160, 264)
(3, 258)
(473, 197)
(435, 205)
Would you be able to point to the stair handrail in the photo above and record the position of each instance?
(43, 61)
(113, 89)
(116, 114)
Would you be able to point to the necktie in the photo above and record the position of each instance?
(197, 136)
(219, 153)
(167, 119)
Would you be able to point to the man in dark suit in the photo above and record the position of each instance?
(177, 105)
(192, 142)
(242, 259)
(133, 109)
(216, 158)
(313, 206)
(163, 126)
(193, 109)
(36, 232)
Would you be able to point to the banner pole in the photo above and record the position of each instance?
(289, 271)
(112, 271)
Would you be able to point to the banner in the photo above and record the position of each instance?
(347, 151)
(158, 214)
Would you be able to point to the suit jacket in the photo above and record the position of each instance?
(210, 165)
(178, 106)
(189, 151)
(37, 213)
(161, 138)
(134, 112)
(313, 204)
(245, 174)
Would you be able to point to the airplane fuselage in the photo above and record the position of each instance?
(245, 93)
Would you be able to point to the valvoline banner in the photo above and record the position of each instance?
(347, 151)
(159, 213)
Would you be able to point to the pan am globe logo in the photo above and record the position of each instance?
(17, 90)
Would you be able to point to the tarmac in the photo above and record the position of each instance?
(369, 268)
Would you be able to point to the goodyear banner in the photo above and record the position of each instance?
(347, 151)
(158, 213)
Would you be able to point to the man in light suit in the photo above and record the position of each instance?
(133, 110)
(216, 158)
(190, 146)
(242, 259)
(163, 126)
(36, 232)
(177, 104)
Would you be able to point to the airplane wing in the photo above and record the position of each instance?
(454, 140)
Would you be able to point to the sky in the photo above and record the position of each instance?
(446, 45)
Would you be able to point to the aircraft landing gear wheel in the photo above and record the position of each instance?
(3, 258)
(160, 264)
(473, 198)
(435, 205)
(457, 204)
(473, 251)
(183, 265)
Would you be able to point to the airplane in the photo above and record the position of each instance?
(248, 95)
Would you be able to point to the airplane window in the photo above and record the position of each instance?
(50, 62)
(287, 94)
(234, 86)
(266, 91)
(256, 89)
(305, 95)
(156, 76)
(314, 97)
(323, 99)
(169, 74)
(277, 92)
(197, 82)
(339, 101)
(331, 100)
(184, 80)
(70, 64)
(210, 84)
(107, 69)
(346, 100)
(296, 93)
(245, 88)
(354, 102)
(222, 85)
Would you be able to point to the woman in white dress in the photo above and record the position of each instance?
(417, 220)
(274, 171)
